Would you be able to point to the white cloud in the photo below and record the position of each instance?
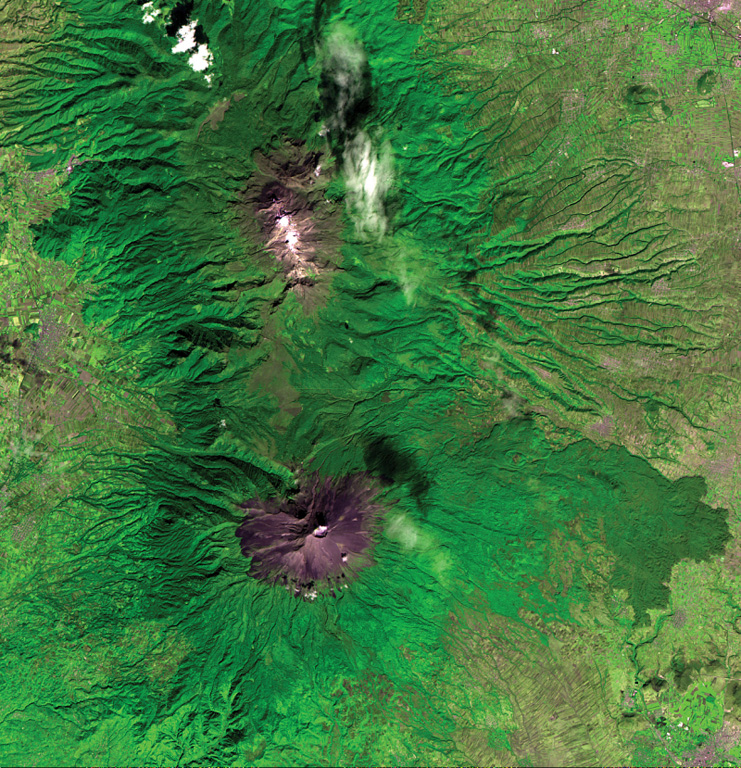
(150, 12)
(201, 59)
(368, 177)
(186, 37)
(345, 61)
